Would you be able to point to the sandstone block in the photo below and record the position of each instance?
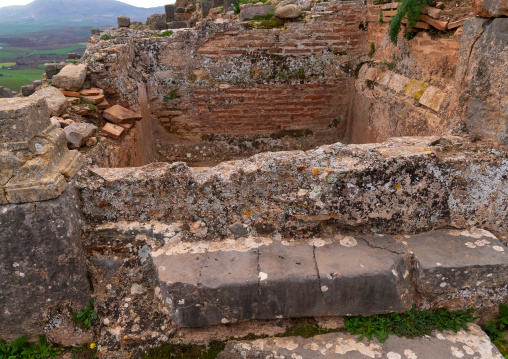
(415, 89)
(71, 77)
(113, 131)
(78, 133)
(253, 11)
(440, 25)
(54, 98)
(490, 8)
(432, 98)
(291, 11)
(124, 21)
(94, 100)
(103, 105)
(119, 114)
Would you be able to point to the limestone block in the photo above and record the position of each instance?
(71, 77)
(432, 98)
(22, 118)
(54, 98)
(253, 11)
(490, 8)
(415, 89)
(78, 133)
(290, 11)
(50, 70)
(384, 78)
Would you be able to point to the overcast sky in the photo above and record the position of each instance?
(140, 3)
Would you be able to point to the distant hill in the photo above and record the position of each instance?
(51, 14)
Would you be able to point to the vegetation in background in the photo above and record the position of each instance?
(496, 330)
(411, 8)
(21, 349)
(106, 37)
(410, 324)
(14, 79)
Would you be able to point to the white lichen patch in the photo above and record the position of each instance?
(474, 232)
(410, 354)
(476, 340)
(393, 355)
(348, 242)
(324, 288)
(498, 248)
(470, 245)
(344, 346)
(456, 352)
(262, 276)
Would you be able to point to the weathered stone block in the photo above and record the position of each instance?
(22, 118)
(27, 90)
(170, 13)
(50, 70)
(398, 83)
(42, 266)
(113, 131)
(459, 262)
(78, 133)
(177, 25)
(415, 89)
(250, 12)
(470, 344)
(54, 98)
(71, 77)
(432, 98)
(290, 11)
(124, 21)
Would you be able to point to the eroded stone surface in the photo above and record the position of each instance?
(35, 163)
(71, 77)
(447, 345)
(42, 267)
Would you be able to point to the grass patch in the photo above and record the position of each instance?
(7, 64)
(185, 351)
(496, 330)
(62, 51)
(14, 79)
(164, 33)
(107, 37)
(21, 349)
(372, 49)
(410, 324)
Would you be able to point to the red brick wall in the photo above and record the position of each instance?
(261, 109)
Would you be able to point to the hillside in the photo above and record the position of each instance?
(50, 14)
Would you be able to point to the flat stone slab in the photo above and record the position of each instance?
(459, 262)
(278, 279)
(446, 345)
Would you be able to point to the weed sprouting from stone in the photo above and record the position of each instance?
(106, 37)
(87, 314)
(164, 33)
(496, 330)
(411, 324)
(372, 49)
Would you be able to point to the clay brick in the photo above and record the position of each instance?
(455, 24)
(70, 93)
(103, 105)
(91, 92)
(119, 114)
(113, 131)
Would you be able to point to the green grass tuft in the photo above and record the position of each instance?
(372, 49)
(496, 330)
(410, 324)
(21, 349)
(164, 33)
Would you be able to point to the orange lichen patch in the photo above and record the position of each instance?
(247, 213)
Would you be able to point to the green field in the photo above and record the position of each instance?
(14, 79)
(64, 50)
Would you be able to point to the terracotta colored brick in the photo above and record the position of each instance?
(103, 105)
(70, 93)
(113, 131)
(91, 92)
(119, 114)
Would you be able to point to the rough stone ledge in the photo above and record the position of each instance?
(406, 185)
(204, 283)
(446, 345)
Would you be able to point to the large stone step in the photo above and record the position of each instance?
(208, 283)
(446, 345)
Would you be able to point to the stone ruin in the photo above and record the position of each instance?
(236, 176)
